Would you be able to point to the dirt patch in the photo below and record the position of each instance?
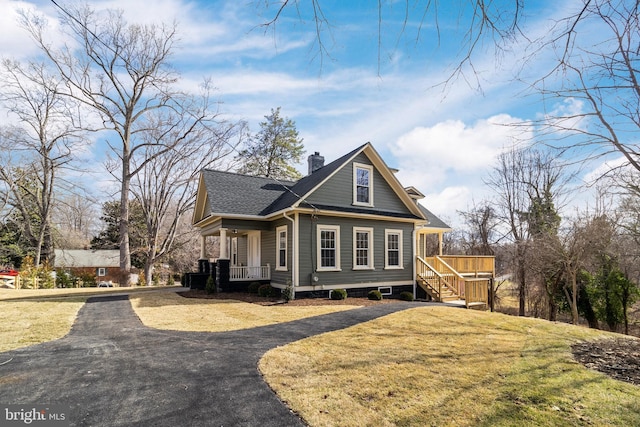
(618, 358)
(255, 299)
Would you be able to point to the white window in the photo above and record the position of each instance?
(102, 272)
(393, 249)
(281, 248)
(362, 184)
(362, 248)
(328, 247)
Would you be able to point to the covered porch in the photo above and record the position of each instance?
(235, 255)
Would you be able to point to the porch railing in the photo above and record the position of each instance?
(239, 273)
(477, 292)
(471, 265)
(454, 279)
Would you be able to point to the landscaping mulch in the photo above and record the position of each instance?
(299, 302)
(618, 358)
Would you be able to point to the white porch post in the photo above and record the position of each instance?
(203, 247)
(440, 243)
(223, 244)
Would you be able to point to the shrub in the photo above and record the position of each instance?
(87, 280)
(210, 287)
(170, 281)
(253, 287)
(287, 292)
(374, 295)
(406, 296)
(338, 294)
(63, 279)
(266, 291)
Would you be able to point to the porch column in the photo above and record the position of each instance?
(203, 247)
(440, 243)
(223, 244)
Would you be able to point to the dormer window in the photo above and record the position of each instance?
(362, 184)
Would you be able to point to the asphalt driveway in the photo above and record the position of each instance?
(113, 371)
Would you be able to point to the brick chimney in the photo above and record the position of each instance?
(316, 161)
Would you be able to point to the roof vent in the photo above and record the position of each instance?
(316, 161)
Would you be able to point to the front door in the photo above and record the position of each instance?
(253, 249)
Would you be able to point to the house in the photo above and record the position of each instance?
(349, 224)
(104, 264)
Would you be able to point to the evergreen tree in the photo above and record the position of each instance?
(109, 237)
(274, 150)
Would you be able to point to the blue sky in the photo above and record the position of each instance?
(442, 141)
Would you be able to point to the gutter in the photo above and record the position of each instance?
(293, 253)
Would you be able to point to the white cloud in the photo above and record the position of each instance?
(604, 169)
(15, 42)
(453, 146)
(567, 115)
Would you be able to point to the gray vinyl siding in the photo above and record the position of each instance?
(347, 275)
(269, 252)
(338, 191)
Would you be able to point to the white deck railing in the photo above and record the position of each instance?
(262, 272)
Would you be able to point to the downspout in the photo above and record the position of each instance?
(414, 237)
(293, 254)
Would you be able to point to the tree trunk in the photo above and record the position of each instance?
(574, 300)
(521, 286)
(125, 252)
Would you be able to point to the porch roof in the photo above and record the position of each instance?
(434, 221)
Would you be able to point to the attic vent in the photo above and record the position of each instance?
(316, 161)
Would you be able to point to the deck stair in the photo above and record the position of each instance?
(444, 284)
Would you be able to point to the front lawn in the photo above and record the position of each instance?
(439, 366)
(33, 321)
(167, 310)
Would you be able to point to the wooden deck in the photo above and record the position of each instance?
(457, 278)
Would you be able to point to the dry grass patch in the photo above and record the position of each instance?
(24, 323)
(442, 366)
(171, 311)
(26, 294)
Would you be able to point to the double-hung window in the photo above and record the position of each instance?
(393, 249)
(362, 248)
(328, 238)
(281, 247)
(362, 184)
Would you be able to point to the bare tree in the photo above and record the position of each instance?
(74, 216)
(511, 201)
(122, 73)
(167, 181)
(478, 20)
(36, 148)
(600, 79)
(479, 235)
(527, 184)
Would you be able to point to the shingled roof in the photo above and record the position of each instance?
(434, 221)
(227, 191)
(76, 258)
(231, 193)
(235, 194)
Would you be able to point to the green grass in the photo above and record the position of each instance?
(443, 366)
